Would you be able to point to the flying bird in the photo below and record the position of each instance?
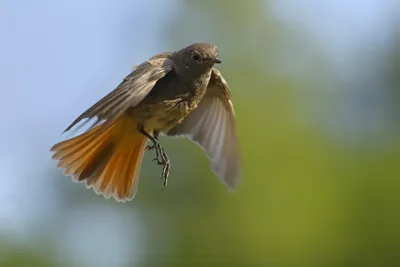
(178, 93)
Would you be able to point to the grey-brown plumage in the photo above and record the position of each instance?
(176, 93)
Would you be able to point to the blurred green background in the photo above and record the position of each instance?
(316, 87)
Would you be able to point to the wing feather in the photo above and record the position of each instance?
(213, 127)
(130, 92)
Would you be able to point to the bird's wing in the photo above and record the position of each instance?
(213, 127)
(130, 92)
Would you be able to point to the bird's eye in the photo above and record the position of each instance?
(195, 57)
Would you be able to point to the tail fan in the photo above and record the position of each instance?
(107, 158)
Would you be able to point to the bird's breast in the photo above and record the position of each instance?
(170, 101)
(164, 115)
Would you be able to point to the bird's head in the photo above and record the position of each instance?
(199, 56)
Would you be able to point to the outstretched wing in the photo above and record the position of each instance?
(130, 92)
(213, 127)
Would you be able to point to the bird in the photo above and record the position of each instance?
(175, 94)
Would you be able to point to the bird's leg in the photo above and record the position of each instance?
(164, 161)
(166, 166)
(156, 145)
(161, 156)
(153, 139)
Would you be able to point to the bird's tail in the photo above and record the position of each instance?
(107, 158)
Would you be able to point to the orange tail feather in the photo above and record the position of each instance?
(107, 158)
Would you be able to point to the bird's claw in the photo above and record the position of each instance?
(161, 159)
(158, 161)
(151, 147)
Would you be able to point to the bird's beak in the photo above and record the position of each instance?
(217, 61)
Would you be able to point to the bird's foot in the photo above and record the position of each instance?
(166, 168)
(162, 159)
(157, 146)
(151, 147)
